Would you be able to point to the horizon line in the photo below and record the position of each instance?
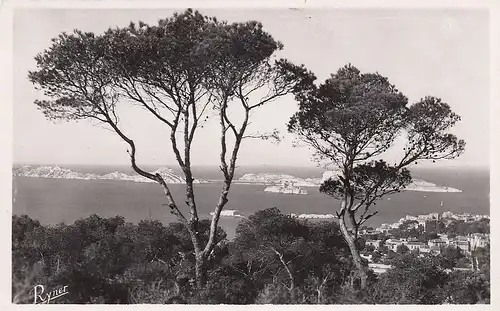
(423, 166)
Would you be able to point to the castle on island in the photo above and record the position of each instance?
(285, 187)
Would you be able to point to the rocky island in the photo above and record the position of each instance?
(272, 180)
(276, 183)
(313, 216)
(422, 185)
(285, 188)
(229, 213)
(58, 172)
(51, 172)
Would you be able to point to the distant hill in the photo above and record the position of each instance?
(64, 173)
(269, 178)
(171, 177)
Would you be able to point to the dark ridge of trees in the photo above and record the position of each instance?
(274, 259)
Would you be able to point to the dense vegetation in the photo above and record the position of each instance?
(273, 259)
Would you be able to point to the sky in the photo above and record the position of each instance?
(443, 53)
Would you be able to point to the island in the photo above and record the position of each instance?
(422, 185)
(275, 179)
(313, 216)
(229, 213)
(276, 183)
(45, 171)
(285, 188)
(272, 180)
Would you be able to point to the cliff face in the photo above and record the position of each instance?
(59, 172)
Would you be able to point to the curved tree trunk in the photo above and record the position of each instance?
(351, 242)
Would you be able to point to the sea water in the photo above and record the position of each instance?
(53, 201)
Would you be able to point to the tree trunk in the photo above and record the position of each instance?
(356, 257)
(319, 291)
(201, 271)
(177, 288)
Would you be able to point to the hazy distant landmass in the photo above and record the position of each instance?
(269, 179)
(229, 213)
(172, 178)
(272, 179)
(58, 172)
(285, 189)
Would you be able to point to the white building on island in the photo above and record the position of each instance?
(285, 188)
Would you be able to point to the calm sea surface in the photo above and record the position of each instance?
(61, 200)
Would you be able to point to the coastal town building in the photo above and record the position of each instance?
(408, 217)
(478, 240)
(437, 243)
(379, 268)
(431, 216)
(415, 245)
(374, 243)
(393, 244)
(443, 236)
(447, 214)
(383, 228)
(463, 245)
(367, 257)
(368, 231)
(425, 249)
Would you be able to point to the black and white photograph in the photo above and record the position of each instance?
(251, 155)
